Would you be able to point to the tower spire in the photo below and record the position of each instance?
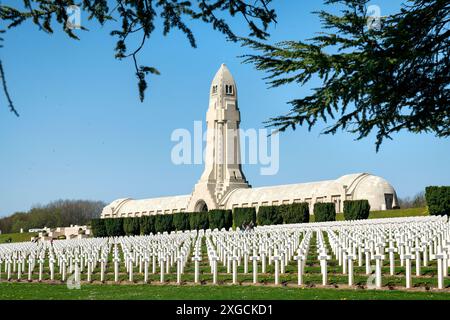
(223, 170)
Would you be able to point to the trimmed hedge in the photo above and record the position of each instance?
(268, 215)
(131, 226)
(324, 211)
(356, 209)
(198, 220)
(114, 227)
(181, 221)
(438, 200)
(296, 213)
(98, 228)
(163, 223)
(220, 219)
(243, 216)
(228, 219)
(147, 224)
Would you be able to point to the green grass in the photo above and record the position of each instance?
(42, 291)
(399, 213)
(411, 212)
(22, 237)
(265, 290)
(16, 237)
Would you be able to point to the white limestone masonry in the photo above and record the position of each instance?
(223, 184)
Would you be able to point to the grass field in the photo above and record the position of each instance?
(16, 237)
(21, 237)
(42, 291)
(423, 285)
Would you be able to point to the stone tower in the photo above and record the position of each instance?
(223, 171)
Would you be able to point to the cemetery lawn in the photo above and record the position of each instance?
(25, 237)
(16, 237)
(43, 291)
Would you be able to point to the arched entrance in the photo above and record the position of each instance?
(201, 206)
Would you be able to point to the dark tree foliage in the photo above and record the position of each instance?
(198, 220)
(268, 215)
(356, 209)
(131, 226)
(147, 225)
(438, 200)
(181, 221)
(243, 216)
(220, 218)
(387, 79)
(324, 211)
(114, 227)
(163, 223)
(137, 19)
(60, 213)
(229, 219)
(296, 213)
(98, 228)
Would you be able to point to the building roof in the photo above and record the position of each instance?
(128, 205)
(223, 75)
(357, 183)
(284, 192)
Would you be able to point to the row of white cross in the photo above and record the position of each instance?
(414, 240)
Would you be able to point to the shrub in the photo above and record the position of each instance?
(98, 228)
(147, 224)
(131, 226)
(324, 211)
(114, 227)
(296, 213)
(268, 215)
(438, 200)
(181, 221)
(228, 219)
(198, 220)
(282, 209)
(243, 216)
(356, 209)
(163, 222)
(220, 219)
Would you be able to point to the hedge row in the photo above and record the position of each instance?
(296, 213)
(286, 213)
(181, 221)
(267, 215)
(243, 216)
(356, 209)
(113, 227)
(324, 211)
(199, 220)
(220, 219)
(438, 200)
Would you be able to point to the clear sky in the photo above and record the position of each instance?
(83, 134)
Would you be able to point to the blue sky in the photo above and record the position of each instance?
(83, 134)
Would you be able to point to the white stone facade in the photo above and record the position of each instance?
(223, 184)
(72, 232)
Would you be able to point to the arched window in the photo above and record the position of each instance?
(214, 89)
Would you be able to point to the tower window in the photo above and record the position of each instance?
(214, 89)
(229, 89)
